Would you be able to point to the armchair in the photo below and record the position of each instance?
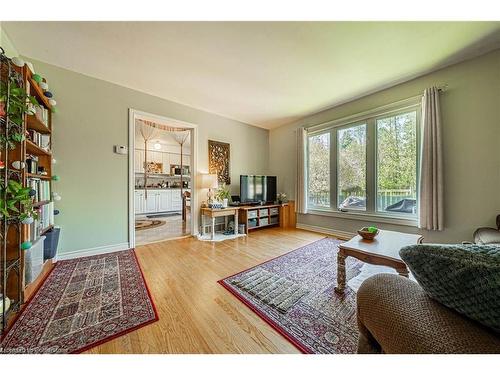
(488, 236)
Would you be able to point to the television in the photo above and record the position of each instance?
(257, 189)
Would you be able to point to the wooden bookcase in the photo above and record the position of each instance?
(44, 157)
(12, 264)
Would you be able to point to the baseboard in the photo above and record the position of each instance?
(93, 251)
(332, 232)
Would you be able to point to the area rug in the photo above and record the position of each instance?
(83, 303)
(294, 293)
(148, 224)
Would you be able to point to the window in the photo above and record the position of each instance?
(397, 163)
(368, 164)
(319, 171)
(351, 167)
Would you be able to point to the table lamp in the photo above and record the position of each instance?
(209, 181)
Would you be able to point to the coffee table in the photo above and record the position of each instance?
(383, 250)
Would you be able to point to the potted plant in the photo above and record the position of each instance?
(281, 197)
(223, 195)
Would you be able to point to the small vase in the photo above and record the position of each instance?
(224, 203)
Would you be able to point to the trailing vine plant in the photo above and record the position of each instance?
(20, 103)
(16, 196)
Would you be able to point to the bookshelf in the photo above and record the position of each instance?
(38, 156)
(33, 156)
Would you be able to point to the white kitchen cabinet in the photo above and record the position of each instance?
(139, 202)
(175, 159)
(158, 157)
(154, 157)
(157, 201)
(138, 161)
(164, 201)
(151, 201)
(186, 160)
(166, 162)
(176, 200)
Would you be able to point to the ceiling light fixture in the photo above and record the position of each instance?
(157, 146)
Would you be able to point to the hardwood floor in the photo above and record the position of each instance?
(197, 315)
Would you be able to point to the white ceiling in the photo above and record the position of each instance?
(262, 73)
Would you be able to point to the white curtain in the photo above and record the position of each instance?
(300, 186)
(431, 214)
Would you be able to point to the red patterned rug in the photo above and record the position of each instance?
(294, 293)
(83, 303)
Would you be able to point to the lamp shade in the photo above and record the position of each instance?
(208, 181)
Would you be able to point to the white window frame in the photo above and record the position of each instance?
(370, 119)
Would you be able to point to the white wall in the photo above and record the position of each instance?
(471, 131)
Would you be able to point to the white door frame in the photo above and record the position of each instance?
(133, 115)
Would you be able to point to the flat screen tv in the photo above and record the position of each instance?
(256, 189)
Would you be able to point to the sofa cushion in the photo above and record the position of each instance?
(463, 277)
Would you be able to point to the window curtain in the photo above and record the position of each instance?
(431, 214)
(300, 186)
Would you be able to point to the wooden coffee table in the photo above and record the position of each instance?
(382, 251)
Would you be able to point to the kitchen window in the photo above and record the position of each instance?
(366, 165)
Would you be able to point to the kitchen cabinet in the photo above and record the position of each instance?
(166, 158)
(166, 162)
(176, 200)
(139, 201)
(154, 157)
(175, 159)
(151, 201)
(166, 200)
(138, 160)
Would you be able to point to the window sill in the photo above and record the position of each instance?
(365, 216)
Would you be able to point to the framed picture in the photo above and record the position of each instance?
(219, 160)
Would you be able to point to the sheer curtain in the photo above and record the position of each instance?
(431, 213)
(300, 186)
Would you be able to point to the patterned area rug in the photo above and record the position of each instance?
(294, 294)
(148, 224)
(84, 302)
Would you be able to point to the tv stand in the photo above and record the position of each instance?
(267, 215)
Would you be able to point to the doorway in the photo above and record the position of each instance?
(162, 188)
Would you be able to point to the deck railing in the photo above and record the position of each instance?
(385, 198)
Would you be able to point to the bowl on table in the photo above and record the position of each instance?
(368, 234)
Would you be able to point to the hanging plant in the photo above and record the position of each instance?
(18, 201)
(20, 103)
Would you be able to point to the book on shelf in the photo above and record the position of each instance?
(40, 139)
(45, 220)
(41, 187)
(32, 164)
(42, 114)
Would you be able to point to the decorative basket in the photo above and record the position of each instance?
(363, 232)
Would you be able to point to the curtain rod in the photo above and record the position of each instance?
(313, 127)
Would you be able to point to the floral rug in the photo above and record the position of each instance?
(294, 293)
(83, 303)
